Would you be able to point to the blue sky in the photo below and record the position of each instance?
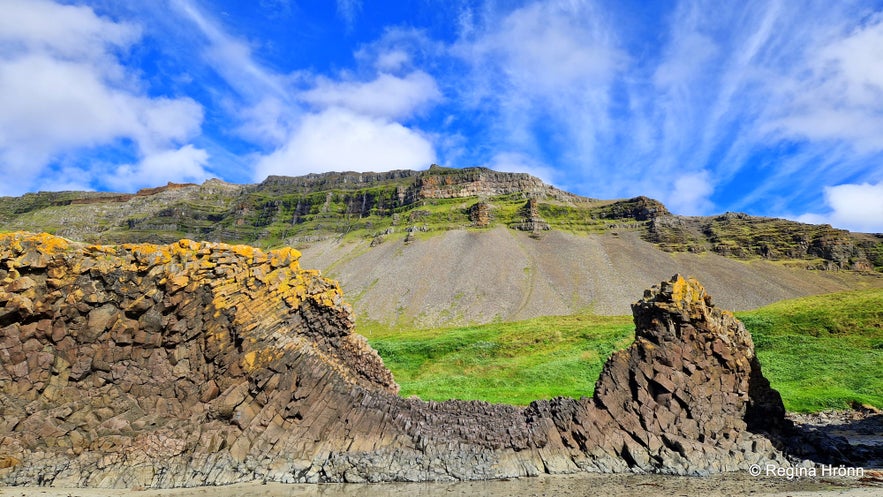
(771, 108)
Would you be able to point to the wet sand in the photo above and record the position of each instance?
(543, 486)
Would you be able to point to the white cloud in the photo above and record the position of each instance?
(386, 96)
(857, 61)
(392, 60)
(267, 122)
(64, 30)
(63, 89)
(340, 140)
(183, 165)
(856, 207)
(400, 49)
(837, 94)
(691, 194)
(49, 105)
(348, 10)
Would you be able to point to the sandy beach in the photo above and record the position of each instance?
(543, 486)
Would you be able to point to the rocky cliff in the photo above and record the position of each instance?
(200, 363)
(741, 236)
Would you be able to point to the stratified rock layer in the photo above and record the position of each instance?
(198, 363)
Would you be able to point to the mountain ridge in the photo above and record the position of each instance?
(177, 209)
(385, 232)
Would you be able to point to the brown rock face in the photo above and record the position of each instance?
(197, 363)
(438, 182)
(693, 384)
(479, 214)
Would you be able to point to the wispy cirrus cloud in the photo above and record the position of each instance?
(538, 72)
(728, 106)
(838, 95)
(313, 122)
(349, 10)
(258, 99)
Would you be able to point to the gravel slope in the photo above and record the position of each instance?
(467, 276)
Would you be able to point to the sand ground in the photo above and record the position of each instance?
(547, 486)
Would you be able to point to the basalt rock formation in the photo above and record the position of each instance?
(532, 221)
(200, 363)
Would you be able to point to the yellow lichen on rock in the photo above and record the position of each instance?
(257, 359)
(686, 292)
(285, 256)
(245, 251)
(44, 243)
(49, 244)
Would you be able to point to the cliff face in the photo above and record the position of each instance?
(198, 363)
(443, 183)
(742, 236)
(152, 365)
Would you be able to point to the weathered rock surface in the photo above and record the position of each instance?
(532, 221)
(480, 215)
(198, 363)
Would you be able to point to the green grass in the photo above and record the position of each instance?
(513, 363)
(820, 352)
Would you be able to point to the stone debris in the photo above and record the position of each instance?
(205, 364)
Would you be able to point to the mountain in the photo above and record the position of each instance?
(446, 246)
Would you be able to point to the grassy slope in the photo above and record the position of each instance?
(512, 363)
(823, 351)
(819, 352)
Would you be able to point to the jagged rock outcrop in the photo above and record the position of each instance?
(480, 214)
(638, 208)
(532, 221)
(200, 363)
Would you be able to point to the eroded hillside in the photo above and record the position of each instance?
(448, 245)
